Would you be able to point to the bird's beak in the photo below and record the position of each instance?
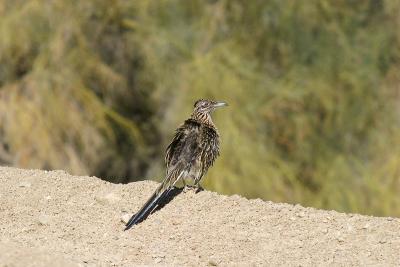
(220, 104)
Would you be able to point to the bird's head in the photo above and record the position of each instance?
(203, 108)
(207, 106)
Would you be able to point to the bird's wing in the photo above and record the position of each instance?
(174, 145)
(185, 142)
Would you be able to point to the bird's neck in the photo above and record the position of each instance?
(203, 118)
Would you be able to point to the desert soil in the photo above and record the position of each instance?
(55, 219)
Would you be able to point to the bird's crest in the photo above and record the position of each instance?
(199, 101)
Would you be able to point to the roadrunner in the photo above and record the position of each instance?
(192, 151)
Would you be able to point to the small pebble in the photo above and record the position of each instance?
(125, 217)
(43, 219)
(212, 263)
(301, 215)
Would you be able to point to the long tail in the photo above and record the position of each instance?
(161, 193)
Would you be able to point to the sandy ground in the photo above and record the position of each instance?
(55, 219)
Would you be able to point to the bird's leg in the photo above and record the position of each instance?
(186, 188)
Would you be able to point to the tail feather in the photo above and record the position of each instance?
(154, 201)
(147, 208)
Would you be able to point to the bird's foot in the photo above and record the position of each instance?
(188, 188)
(194, 188)
(198, 189)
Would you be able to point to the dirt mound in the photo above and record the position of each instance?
(53, 217)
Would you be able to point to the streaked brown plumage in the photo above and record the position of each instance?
(192, 151)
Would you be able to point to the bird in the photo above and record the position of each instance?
(192, 151)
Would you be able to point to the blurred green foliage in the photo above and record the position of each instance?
(97, 87)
